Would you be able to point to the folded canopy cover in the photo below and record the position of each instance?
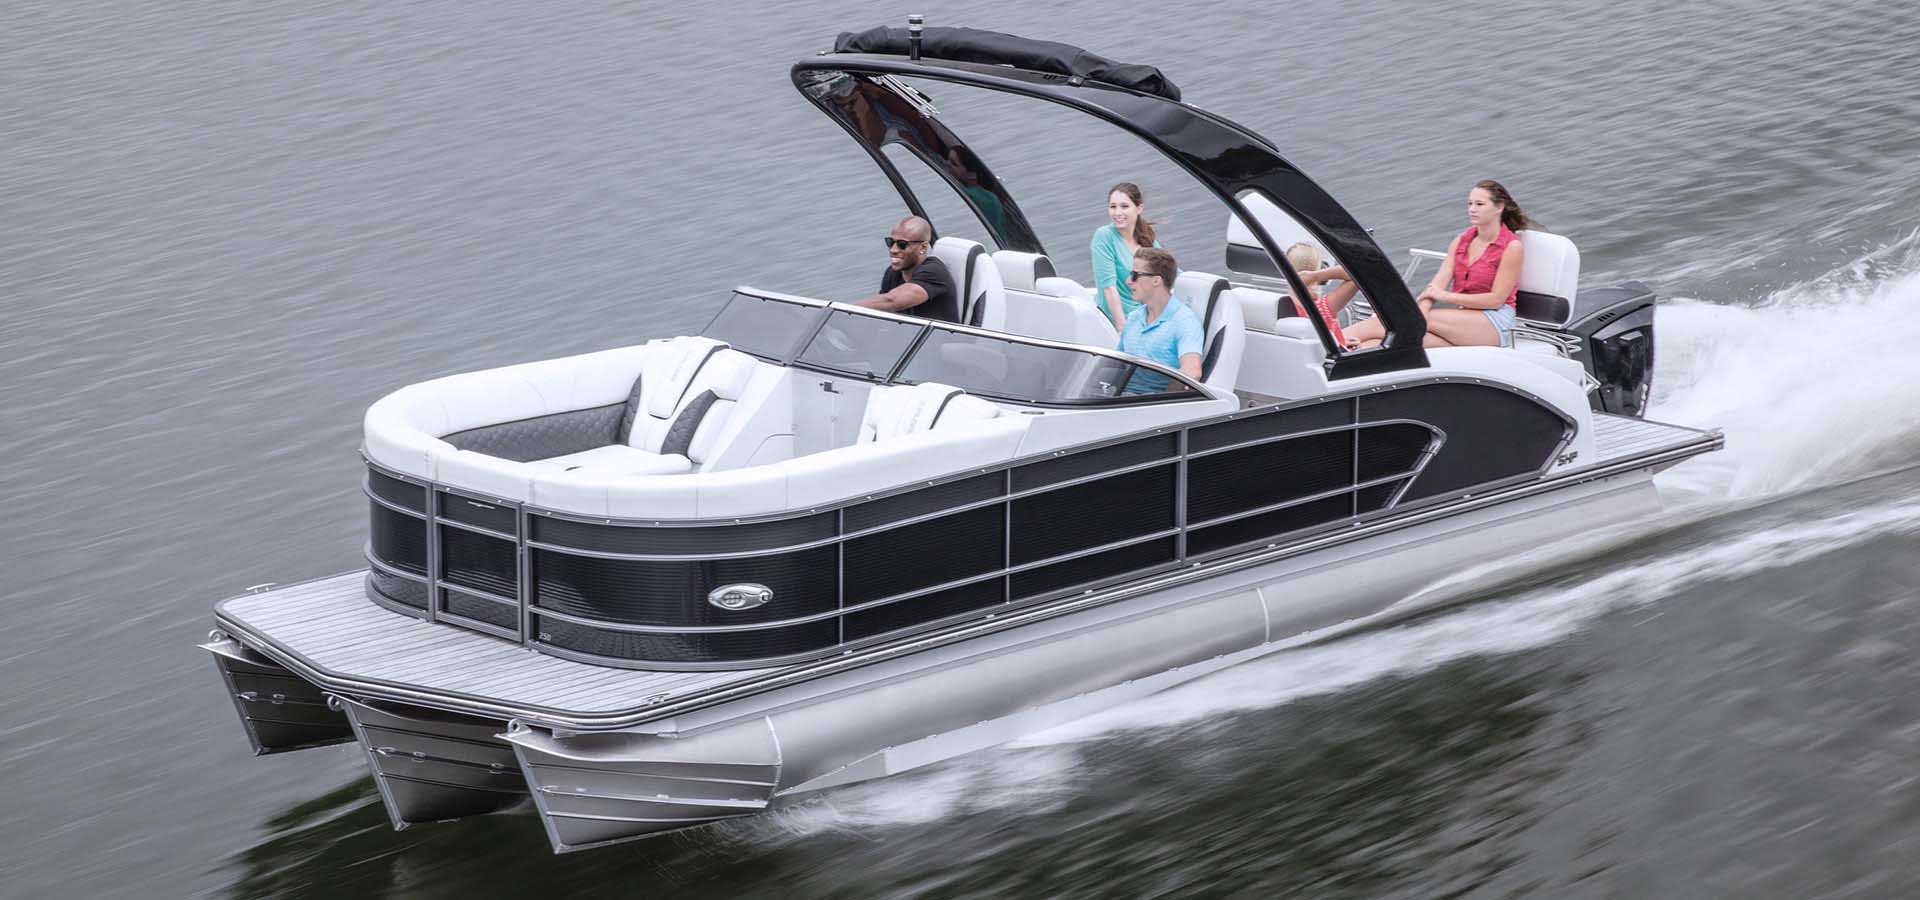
(977, 45)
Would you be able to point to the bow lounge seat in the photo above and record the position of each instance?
(674, 414)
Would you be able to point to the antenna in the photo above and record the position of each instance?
(914, 25)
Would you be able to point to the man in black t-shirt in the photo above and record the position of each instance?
(915, 282)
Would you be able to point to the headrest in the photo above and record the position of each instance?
(726, 374)
(1258, 309)
(961, 256)
(1244, 253)
(670, 369)
(1202, 293)
(1551, 266)
(1022, 271)
(1061, 287)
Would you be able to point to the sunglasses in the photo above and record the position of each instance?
(893, 243)
(1136, 274)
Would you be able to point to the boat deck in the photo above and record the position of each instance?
(1618, 437)
(330, 625)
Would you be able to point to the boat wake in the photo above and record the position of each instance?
(1814, 384)
(1744, 369)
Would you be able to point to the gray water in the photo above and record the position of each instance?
(226, 227)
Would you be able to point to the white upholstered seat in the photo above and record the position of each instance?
(675, 411)
(1210, 298)
(1020, 271)
(977, 278)
(903, 409)
(1549, 278)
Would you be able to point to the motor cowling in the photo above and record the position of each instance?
(1616, 332)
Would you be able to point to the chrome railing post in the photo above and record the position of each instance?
(840, 577)
(523, 525)
(433, 553)
(1180, 499)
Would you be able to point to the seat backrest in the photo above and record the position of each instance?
(903, 409)
(977, 278)
(1064, 288)
(1022, 271)
(1549, 277)
(684, 395)
(1261, 310)
(1210, 298)
(1058, 309)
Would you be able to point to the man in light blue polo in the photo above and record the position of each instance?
(1161, 328)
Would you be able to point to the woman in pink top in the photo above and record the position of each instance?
(1482, 272)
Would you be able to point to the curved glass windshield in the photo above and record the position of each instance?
(881, 348)
(861, 345)
(763, 326)
(1016, 370)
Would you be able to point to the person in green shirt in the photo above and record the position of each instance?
(1113, 247)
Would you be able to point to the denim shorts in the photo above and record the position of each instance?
(1503, 321)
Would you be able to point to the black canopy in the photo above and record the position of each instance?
(978, 45)
(861, 91)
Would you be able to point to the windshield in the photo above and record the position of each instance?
(762, 326)
(1015, 370)
(864, 346)
(890, 349)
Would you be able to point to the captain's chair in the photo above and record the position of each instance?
(982, 299)
(1221, 321)
(1549, 276)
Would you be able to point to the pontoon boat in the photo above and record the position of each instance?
(674, 583)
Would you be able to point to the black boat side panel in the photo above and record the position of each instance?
(1492, 434)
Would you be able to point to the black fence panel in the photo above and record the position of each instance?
(681, 539)
(1093, 462)
(1269, 525)
(1093, 567)
(1234, 481)
(693, 647)
(479, 562)
(397, 492)
(928, 608)
(912, 557)
(674, 592)
(1093, 513)
(397, 539)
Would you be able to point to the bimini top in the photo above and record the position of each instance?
(977, 45)
(859, 85)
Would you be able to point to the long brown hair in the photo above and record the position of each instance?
(1142, 228)
(1510, 214)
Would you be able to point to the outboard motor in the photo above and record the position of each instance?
(1616, 332)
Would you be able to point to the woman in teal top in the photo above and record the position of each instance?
(1113, 248)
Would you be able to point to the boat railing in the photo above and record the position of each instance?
(753, 591)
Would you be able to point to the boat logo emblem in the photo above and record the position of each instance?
(740, 596)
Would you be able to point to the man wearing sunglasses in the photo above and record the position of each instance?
(1162, 328)
(915, 282)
